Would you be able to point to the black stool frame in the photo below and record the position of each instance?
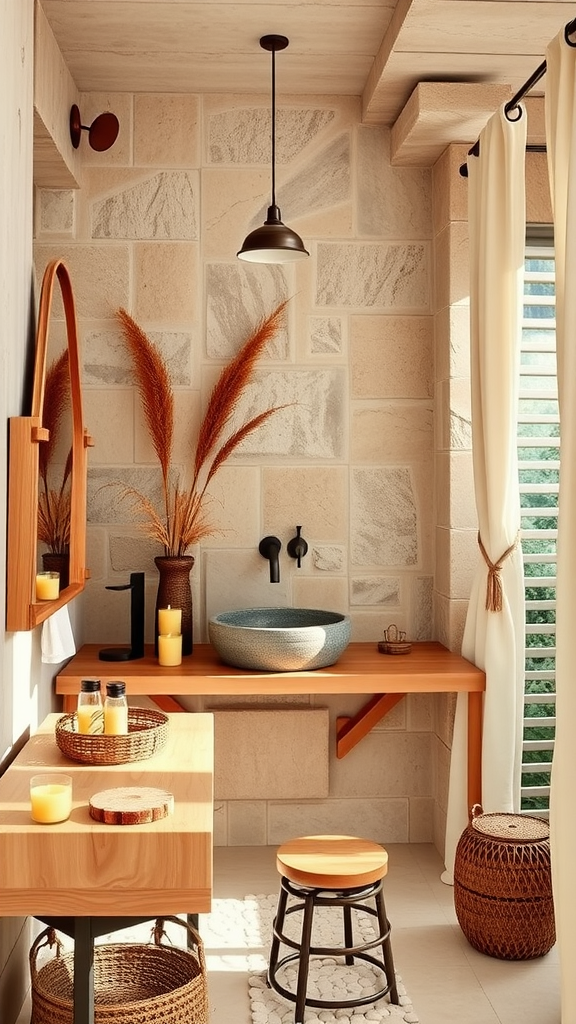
(349, 900)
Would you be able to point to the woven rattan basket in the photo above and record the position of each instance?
(147, 734)
(502, 885)
(152, 983)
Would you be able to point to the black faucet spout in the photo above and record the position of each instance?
(269, 548)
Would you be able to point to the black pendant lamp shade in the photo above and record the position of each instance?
(274, 242)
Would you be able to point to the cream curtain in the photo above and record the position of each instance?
(494, 639)
(561, 147)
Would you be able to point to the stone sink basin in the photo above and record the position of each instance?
(279, 639)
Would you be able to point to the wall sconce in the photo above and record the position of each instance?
(274, 242)
(102, 133)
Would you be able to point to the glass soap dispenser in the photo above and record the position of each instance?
(89, 713)
(115, 709)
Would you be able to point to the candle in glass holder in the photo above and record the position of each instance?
(169, 621)
(170, 649)
(47, 586)
(50, 798)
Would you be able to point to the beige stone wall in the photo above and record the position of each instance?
(155, 228)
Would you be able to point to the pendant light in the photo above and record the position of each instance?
(273, 242)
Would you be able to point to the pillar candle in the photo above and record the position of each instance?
(50, 798)
(169, 620)
(170, 649)
(47, 586)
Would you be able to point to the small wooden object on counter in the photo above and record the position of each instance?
(131, 805)
(394, 641)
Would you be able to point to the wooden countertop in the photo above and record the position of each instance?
(429, 668)
(84, 867)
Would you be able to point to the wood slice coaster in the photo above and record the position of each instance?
(131, 805)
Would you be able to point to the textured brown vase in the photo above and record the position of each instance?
(174, 589)
(57, 563)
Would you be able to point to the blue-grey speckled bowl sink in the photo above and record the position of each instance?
(279, 639)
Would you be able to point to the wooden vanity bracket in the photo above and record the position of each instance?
(349, 731)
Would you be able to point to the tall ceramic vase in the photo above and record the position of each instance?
(174, 589)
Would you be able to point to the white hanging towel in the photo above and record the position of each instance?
(57, 637)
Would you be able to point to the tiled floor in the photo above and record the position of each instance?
(447, 980)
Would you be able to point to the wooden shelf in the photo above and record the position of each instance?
(428, 668)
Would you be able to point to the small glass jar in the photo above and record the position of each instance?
(116, 709)
(89, 714)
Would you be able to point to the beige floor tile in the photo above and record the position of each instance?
(447, 980)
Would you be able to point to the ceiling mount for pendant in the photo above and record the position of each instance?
(102, 133)
(274, 242)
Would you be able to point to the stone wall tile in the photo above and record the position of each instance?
(99, 276)
(283, 753)
(452, 275)
(329, 593)
(241, 579)
(96, 552)
(391, 356)
(384, 517)
(233, 506)
(368, 625)
(164, 290)
(238, 298)
(315, 497)
(311, 426)
(328, 557)
(55, 212)
(242, 135)
(111, 417)
(452, 342)
(374, 275)
(161, 207)
(397, 431)
(375, 590)
(129, 553)
(247, 825)
(326, 335)
(421, 826)
(166, 130)
(422, 618)
(106, 487)
(456, 561)
(400, 766)
(385, 821)
(410, 215)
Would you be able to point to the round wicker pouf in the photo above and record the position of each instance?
(503, 887)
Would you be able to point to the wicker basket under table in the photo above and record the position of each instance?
(144, 983)
(502, 885)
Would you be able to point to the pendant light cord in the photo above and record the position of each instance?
(273, 128)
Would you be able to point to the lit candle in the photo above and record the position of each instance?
(169, 620)
(47, 586)
(170, 649)
(50, 798)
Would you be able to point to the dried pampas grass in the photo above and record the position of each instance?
(183, 519)
(54, 503)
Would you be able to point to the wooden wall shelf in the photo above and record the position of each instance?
(429, 668)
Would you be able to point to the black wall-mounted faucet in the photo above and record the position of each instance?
(269, 548)
(297, 547)
(136, 649)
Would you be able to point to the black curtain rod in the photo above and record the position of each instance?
(514, 103)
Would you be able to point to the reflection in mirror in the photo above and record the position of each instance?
(55, 471)
(47, 470)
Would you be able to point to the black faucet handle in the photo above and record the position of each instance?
(297, 547)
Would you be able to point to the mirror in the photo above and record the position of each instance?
(32, 491)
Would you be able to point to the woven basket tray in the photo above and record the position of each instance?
(133, 984)
(147, 734)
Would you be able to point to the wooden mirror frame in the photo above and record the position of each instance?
(23, 611)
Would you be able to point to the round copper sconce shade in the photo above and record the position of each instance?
(102, 133)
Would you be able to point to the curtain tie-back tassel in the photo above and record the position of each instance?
(494, 582)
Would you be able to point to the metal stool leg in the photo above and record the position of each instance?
(304, 958)
(348, 933)
(277, 929)
(387, 948)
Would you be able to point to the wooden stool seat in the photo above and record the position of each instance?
(334, 862)
(331, 871)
